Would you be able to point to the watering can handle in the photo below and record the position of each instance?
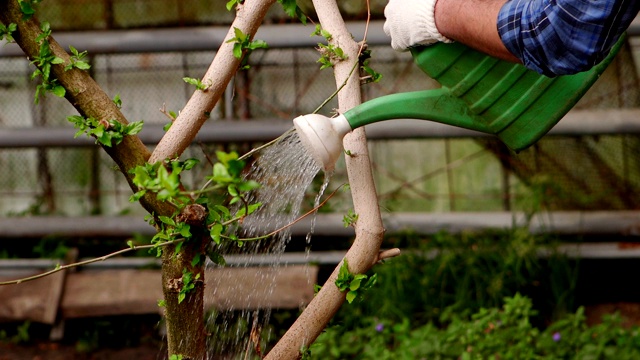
(483, 93)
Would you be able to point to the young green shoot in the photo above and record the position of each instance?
(241, 43)
(106, 132)
(77, 60)
(354, 284)
(6, 32)
(350, 218)
(196, 82)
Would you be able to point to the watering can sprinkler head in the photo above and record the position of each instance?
(322, 137)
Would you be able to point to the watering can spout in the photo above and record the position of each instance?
(478, 92)
(322, 137)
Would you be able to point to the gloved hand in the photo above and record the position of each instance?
(410, 23)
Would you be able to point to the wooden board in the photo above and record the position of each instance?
(35, 300)
(245, 288)
(120, 292)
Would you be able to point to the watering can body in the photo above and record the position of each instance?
(482, 93)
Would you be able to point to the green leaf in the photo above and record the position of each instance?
(223, 210)
(117, 101)
(235, 167)
(178, 247)
(7, 31)
(237, 50)
(232, 190)
(231, 4)
(344, 277)
(27, 9)
(215, 232)
(251, 208)
(246, 186)
(224, 157)
(216, 258)
(240, 36)
(197, 82)
(293, 10)
(45, 27)
(167, 220)
(141, 176)
(220, 173)
(81, 65)
(184, 230)
(134, 128)
(137, 196)
(130, 244)
(355, 283)
(197, 260)
(56, 60)
(351, 295)
(190, 163)
(257, 44)
(58, 91)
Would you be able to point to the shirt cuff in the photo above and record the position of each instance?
(509, 28)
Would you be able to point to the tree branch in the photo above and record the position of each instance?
(85, 95)
(365, 251)
(248, 19)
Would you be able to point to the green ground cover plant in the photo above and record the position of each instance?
(449, 274)
(489, 295)
(491, 333)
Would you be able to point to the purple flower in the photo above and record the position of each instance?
(557, 336)
(379, 327)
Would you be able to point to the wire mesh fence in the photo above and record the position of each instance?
(594, 172)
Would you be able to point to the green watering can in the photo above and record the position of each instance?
(478, 92)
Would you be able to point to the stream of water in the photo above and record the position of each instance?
(285, 171)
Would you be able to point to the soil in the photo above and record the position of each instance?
(56, 351)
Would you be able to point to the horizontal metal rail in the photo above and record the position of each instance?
(206, 38)
(594, 251)
(575, 123)
(626, 223)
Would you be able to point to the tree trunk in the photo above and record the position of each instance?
(185, 320)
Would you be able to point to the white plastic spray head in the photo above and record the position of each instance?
(322, 137)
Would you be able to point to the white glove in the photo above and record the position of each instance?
(410, 23)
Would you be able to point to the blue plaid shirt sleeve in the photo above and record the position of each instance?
(560, 37)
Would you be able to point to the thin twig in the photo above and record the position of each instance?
(85, 262)
(296, 220)
(252, 151)
(335, 93)
(163, 110)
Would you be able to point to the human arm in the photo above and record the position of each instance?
(563, 37)
(473, 23)
(424, 22)
(552, 37)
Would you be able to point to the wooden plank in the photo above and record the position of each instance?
(130, 292)
(270, 287)
(111, 292)
(33, 300)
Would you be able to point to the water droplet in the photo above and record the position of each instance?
(285, 170)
